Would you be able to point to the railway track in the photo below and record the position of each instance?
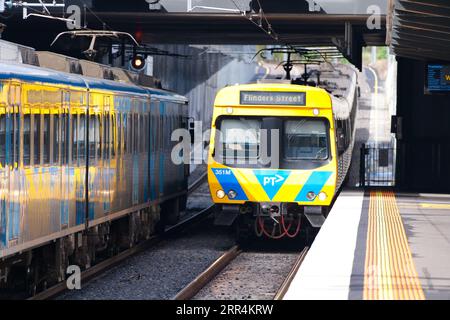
(215, 269)
(101, 267)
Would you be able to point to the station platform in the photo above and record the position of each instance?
(379, 245)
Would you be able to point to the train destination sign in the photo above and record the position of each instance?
(273, 98)
(438, 78)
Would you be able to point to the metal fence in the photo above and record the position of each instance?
(377, 165)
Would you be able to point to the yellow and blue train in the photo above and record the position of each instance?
(85, 167)
(279, 153)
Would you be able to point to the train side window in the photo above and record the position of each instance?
(118, 131)
(125, 132)
(94, 137)
(75, 139)
(2, 137)
(56, 138)
(113, 137)
(146, 133)
(82, 139)
(141, 133)
(98, 136)
(16, 135)
(152, 135)
(46, 139)
(130, 133)
(36, 129)
(105, 135)
(26, 139)
(136, 133)
(63, 137)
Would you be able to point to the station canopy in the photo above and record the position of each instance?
(420, 29)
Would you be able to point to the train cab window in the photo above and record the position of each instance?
(239, 139)
(305, 139)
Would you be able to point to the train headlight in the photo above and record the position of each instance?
(322, 196)
(220, 194)
(316, 112)
(230, 110)
(311, 196)
(232, 194)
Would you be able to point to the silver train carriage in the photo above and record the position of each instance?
(77, 155)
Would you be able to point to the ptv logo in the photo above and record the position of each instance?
(272, 180)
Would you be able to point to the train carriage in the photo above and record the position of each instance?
(279, 154)
(84, 166)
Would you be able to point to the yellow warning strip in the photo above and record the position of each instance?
(437, 206)
(390, 273)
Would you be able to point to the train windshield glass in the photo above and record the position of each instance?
(305, 139)
(240, 139)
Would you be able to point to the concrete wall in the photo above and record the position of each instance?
(200, 76)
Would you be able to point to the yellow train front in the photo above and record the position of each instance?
(274, 160)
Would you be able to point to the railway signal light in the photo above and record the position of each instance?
(138, 62)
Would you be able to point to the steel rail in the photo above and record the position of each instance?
(197, 183)
(287, 282)
(209, 274)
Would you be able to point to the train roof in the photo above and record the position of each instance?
(35, 74)
(31, 73)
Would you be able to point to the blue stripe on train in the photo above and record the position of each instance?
(228, 181)
(315, 184)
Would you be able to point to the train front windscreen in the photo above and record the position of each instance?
(245, 140)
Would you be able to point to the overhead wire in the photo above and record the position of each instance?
(272, 33)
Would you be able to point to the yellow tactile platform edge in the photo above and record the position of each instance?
(390, 273)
